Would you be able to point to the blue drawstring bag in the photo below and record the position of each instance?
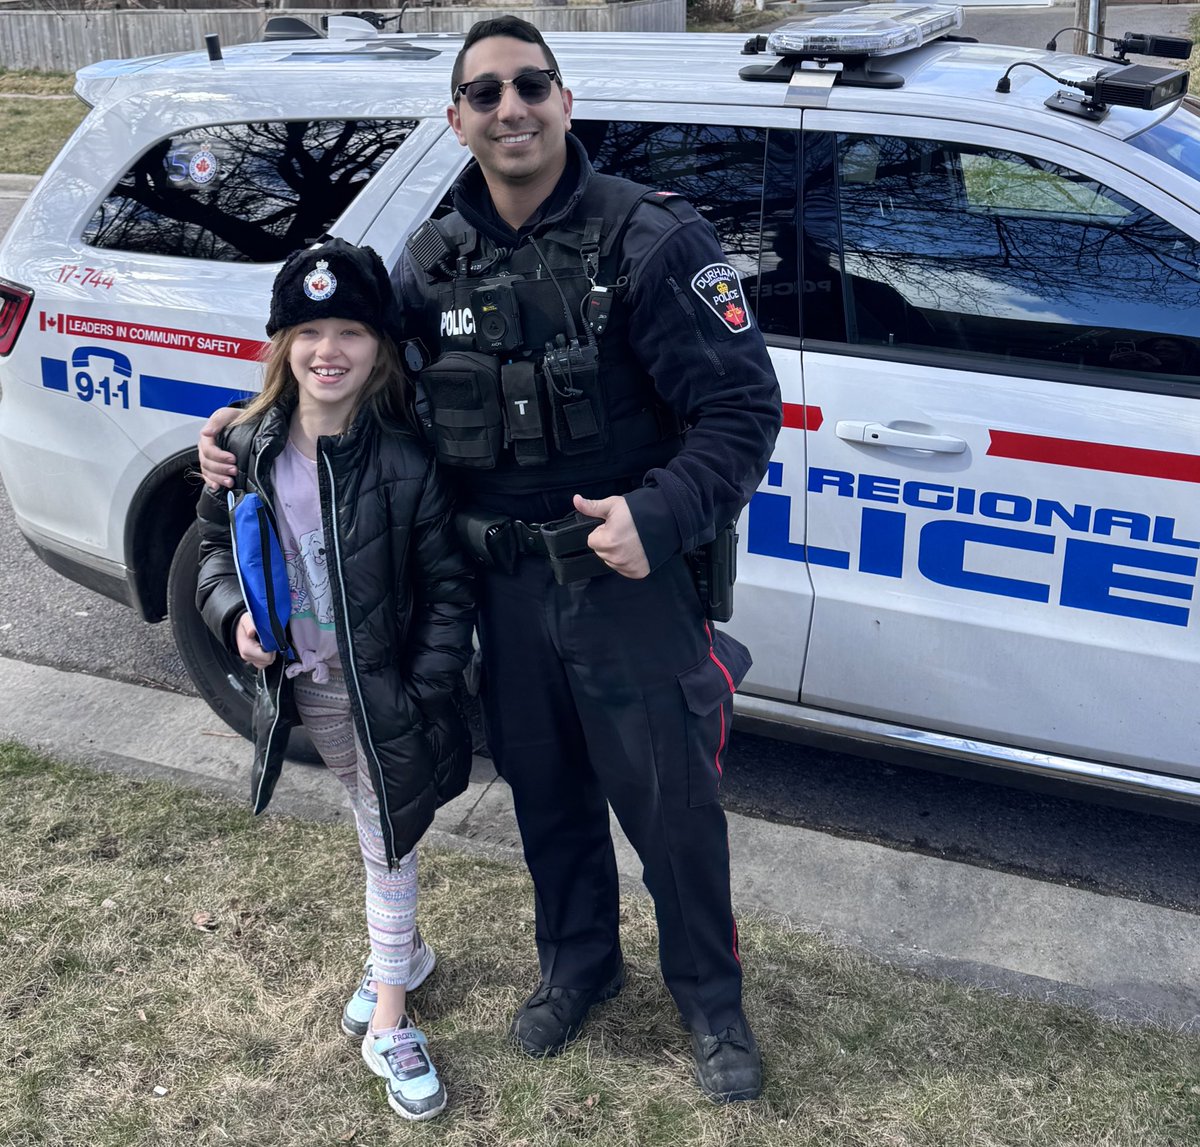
(261, 569)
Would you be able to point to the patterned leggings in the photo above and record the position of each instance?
(391, 896)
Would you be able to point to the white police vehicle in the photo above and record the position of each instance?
(977, 267)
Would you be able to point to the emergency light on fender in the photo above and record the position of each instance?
(847, 40)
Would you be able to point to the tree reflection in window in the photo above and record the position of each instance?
(250, 192)
(743, 187)
(1008, 255)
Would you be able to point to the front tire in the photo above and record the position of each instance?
(221, 678)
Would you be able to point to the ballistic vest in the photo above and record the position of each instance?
(533, 384)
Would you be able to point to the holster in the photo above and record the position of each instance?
(491, 539)
(495, 541)
(565, 542)
(714, 568)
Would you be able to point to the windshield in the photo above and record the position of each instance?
(1176, 140)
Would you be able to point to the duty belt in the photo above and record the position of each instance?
(496, 541)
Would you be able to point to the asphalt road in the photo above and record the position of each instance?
(1033, 27)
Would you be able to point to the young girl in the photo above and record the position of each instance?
(382, 611)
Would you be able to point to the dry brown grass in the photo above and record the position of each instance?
(35, 127)
(25, 81)
(153, 938)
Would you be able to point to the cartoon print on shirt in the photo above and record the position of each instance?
(308, 579)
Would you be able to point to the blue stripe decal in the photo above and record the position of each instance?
(54, 374)
(186, 397)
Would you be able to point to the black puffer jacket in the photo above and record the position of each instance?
(403, 605)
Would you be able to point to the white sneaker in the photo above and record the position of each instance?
(401, 1059)
(360, 1007)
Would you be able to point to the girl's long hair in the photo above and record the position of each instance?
(386, 391)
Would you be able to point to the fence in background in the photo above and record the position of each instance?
(66, 41)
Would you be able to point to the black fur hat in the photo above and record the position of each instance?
(334, 280)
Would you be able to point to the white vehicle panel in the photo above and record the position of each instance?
(1047, 572)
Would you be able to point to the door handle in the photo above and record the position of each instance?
(876, 434)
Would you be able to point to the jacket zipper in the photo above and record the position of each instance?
(686, 304)
(360, 712)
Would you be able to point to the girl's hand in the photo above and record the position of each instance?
(248, 646)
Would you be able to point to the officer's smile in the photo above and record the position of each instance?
(519, 143)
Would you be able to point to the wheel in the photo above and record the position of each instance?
(221, 678)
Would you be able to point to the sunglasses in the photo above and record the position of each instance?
(484, 95)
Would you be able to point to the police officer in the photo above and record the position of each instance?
(600, 392)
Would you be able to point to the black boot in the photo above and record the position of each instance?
(552, 1017)
(728, 1065)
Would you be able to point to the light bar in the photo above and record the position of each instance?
(870, 30)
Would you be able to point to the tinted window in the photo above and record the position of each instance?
(1175, 140)
(741, 179)
(998, 253)
(249, 192)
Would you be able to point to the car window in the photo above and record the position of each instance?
(741, 179)
(245, 192)
(1175, 140)
(996, 253)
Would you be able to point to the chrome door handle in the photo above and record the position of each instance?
(876, 434)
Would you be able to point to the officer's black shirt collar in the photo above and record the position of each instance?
(473, 201)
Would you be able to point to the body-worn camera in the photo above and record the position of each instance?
(497, 315)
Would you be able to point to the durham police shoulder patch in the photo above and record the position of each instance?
(719, 286)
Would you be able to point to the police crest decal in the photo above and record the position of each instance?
(721, 289)
(321, 283)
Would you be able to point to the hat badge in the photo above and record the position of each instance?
(320, 283)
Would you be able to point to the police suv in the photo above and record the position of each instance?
(977, 268)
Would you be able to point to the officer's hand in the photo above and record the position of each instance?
(218, 466)
(616, 543)
(247, 642)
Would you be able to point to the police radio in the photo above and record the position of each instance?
(497, 315)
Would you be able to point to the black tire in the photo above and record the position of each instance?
(222, 679)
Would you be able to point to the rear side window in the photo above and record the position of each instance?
(992, 252)
(244, 192)
(741, 179)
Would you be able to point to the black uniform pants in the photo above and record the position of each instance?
(609, 691)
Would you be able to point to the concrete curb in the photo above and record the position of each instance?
(1119, 958)
(17, 186)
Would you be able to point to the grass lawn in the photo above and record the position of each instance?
(172, 972)
(34, 128)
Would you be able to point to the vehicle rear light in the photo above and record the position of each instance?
(15, 302)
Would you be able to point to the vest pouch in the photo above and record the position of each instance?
(523, 413)
(579, 415)
(463, 391)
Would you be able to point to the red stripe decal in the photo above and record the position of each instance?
(1095, 456)
(797, 417)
